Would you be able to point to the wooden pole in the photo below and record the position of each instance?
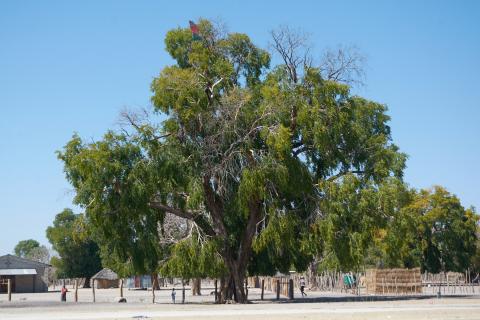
(383, 285)
(396, 286)
(183, 291)
(448, 284)
(93, 289)
(290, 289)
(76, 290)
(9, 289)
(121, 288)
(246, 288)
(153, 287)
(278, 289)
(415, 283)
(216, 290)
(263, 288)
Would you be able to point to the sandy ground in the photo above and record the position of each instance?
(139, 306)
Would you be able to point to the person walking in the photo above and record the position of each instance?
(173, 295)
(302, 286)
(63, 294)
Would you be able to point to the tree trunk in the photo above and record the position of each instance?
(312, 274)
(86, 284)
(196, 286)
(232, 286)
(236, 260)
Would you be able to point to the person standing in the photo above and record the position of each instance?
(173, 295)
(302, 286)
(63, 293)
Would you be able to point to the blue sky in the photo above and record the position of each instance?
(70, 67)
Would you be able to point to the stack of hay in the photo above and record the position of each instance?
(393, 281)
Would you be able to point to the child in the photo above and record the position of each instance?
(64, 294)
(173, 295)
(302, 286)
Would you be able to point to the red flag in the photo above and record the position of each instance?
(194, 29)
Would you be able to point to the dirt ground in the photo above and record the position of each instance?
(139, 306)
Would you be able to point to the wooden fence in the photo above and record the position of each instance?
(273, 284)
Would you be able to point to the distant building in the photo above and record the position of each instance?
(25, 275)
(139, 282)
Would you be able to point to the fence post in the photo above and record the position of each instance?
(154, 278)
(121, 288)
(383, 285)
(9, 289)
(93, 289)
(263, 288)
(278, 289)
(183, 291)
(290, 289)
(76, 290)
(216, 294)
(396, 286)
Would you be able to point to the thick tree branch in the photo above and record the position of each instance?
(194, 216)
(245, 248)
(342, 173)
(215, 207)
(301, 150)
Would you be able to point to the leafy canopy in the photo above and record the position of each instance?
(78, 253)
(253, 159)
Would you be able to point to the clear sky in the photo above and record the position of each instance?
(70, 67)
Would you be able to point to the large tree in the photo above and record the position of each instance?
(78, 253)
(429, 229)
(24, 247)
(245, 154)
(31, 249)
(439, 231)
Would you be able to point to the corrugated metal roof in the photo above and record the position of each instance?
(17, 272)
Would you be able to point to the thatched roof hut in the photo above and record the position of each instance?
(105, 278)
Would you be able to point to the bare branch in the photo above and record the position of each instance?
(139, 121)
(293, 48)
(344, 64)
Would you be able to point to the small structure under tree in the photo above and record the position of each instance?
(105, 279)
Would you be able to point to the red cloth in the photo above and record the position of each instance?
(194, 28)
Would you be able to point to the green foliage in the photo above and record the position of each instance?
(78, 253)
(429, 229)
(354, 211)
(24, 247)
(192, 258)
(114, 186)
(446, 230)
(31, 249)
(272, 170)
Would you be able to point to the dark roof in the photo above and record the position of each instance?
(9, 261)
(105, 274)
